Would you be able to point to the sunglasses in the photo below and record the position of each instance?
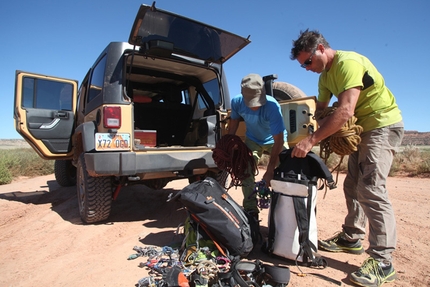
(308, 61)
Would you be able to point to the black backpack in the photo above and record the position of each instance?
(219, 216)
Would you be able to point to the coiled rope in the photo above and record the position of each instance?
(232, 155)
(344, 142)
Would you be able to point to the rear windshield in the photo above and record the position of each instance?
(189, 37)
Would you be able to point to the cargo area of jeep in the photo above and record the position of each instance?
(147, 112)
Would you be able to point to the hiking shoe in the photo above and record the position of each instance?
(372, 274)
(338, 243)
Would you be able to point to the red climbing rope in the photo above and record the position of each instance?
(232, 155)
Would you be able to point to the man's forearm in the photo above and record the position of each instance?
(276, 150)
(232, 126)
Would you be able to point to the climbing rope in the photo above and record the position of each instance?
(232, 155)
(344, 142)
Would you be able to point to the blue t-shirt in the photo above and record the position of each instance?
(262, 123)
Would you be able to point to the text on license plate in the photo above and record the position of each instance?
(107, 141)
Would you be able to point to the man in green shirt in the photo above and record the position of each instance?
(361, 92)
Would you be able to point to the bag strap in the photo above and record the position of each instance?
(238, 210)
(247, 218)
(303, 226)
(303, 215)
(268, 248)
(220, 248)
(247, 267)
(278, 274)
(254, 273)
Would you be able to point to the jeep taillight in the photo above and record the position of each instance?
(112, 117)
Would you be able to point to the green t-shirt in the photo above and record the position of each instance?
(376, 106)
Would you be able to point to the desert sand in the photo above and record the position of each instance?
(44, 243)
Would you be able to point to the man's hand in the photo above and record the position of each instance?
(268, 176)
(302, 148)
(331, 124)
(274, 157)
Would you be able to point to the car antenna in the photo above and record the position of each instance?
(153, 7)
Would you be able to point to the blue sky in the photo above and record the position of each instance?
(63, 38)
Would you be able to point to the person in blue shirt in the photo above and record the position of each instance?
(265, 131)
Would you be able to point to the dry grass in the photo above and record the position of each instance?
(18, 162)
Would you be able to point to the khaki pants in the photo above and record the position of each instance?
(366, 194)
(248, 185)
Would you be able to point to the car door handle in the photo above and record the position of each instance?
(61, 115)
(50, 125)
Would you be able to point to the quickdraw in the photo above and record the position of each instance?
(207, 269)
(264, 193)
(148, 281)
(195, 264)
(145, 251)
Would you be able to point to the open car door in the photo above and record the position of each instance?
(44, 113)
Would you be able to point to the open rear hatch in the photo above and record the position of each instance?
(163, 33)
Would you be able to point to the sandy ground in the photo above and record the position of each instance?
(44, 243)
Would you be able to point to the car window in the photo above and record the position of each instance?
(46, 94)
(97, 79)
(81, 102)
(212, 89)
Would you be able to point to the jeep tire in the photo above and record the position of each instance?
(65, 172)
(285, 91)
(94, 194)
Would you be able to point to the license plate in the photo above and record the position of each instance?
(107, 141)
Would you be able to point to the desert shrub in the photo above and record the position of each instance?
(407, 159)
(5, 174)
(25, 162)
(336, 162)
(411, 154)
(424, 167)
(396, 166)
(411, 160)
